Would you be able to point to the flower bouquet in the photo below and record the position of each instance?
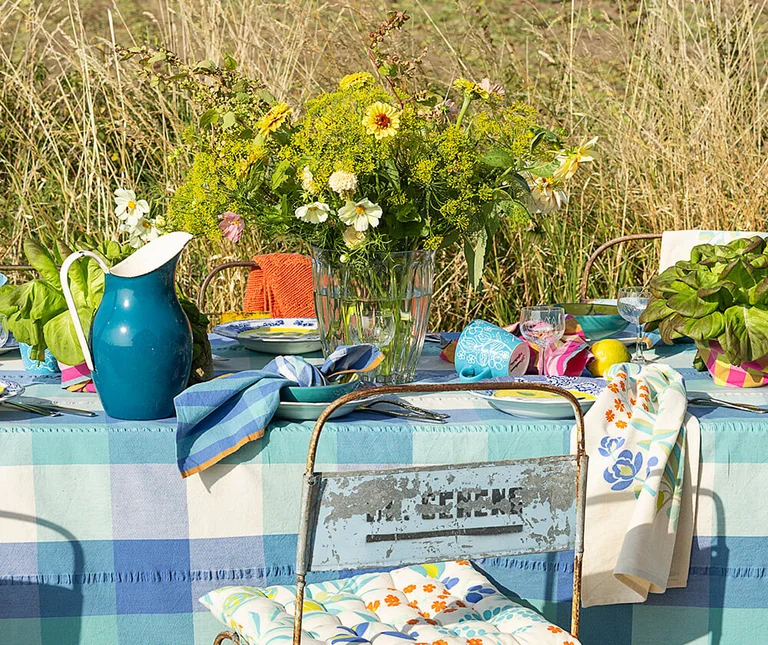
(373, 176)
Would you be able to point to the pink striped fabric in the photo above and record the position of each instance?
(76, 378)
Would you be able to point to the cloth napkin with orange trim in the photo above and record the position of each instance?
(217, 417)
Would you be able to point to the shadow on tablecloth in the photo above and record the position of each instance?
(23, 596)
(671, 618)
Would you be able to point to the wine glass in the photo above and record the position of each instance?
(542, 326)
(632, 303)
(3, 330)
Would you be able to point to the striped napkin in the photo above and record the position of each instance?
(216, 418)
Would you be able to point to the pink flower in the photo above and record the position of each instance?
(445, 111)
(489, 87)
(231, 226)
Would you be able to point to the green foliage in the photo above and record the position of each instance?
(720, 294)
(37, 312)
(330, 136)
(202, 356)
(417, 171)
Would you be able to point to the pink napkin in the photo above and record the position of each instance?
(76, 378)
(568, 358)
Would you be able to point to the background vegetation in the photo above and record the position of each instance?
(674, 88)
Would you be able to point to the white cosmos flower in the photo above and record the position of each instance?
(546, 194)
(128, 209)
(361, 215)
(315, 213)
(353, 238)
(307, 180)
(144, 231)
(343, 183)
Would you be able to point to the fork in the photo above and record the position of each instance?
(713, 403)
(410, 411)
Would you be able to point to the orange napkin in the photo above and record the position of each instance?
(281, 285)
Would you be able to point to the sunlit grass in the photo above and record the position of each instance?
(675, 90)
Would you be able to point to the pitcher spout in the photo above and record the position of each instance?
(152, 256)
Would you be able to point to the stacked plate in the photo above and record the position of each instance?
(10, 345)
(532, 404)
(274, 335)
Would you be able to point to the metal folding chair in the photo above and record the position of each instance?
(412, 515)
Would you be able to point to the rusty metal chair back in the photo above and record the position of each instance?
(216, 270)
(601, 249)
(16, 268)
(412, 515)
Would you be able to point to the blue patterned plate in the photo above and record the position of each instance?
(543, 405)
(10, 345)
(9, 389)
(274, 335)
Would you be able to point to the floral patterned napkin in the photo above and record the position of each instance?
(641, 487)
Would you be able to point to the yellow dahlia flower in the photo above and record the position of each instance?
(273, 119)
(381, 120)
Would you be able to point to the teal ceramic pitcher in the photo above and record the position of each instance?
(140, 353)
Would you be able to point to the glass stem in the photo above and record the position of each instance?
(638, 357)
(543, 361)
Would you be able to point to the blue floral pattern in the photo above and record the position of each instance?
(476, 593)
(609, 445)
(621, 474)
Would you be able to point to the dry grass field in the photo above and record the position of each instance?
(675, 89)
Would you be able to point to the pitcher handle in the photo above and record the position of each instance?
(64, 277)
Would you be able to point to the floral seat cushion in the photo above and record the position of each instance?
(448, 603)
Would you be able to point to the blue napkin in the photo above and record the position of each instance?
(216, 418)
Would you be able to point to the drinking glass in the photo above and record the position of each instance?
(3, 330)
(542, 326)
(632, 303)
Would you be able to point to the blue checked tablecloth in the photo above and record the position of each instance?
(101, 541)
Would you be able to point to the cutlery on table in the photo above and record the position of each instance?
(55, 407)
(408, 410)
(714, 403)
(31, 408)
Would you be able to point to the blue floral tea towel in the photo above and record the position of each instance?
(643, 452)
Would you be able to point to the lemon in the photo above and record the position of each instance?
(607, 352)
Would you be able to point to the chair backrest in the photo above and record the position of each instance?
(412, 515)
(216, 270)
(677, 245)
(279, 284)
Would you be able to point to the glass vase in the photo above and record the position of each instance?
(383, 302)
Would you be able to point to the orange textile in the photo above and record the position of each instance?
(281, 285)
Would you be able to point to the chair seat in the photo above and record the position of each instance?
(448, 603)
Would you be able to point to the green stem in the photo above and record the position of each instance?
(463, 111)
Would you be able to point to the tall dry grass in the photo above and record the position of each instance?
(675, 90)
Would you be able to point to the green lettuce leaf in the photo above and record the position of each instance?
(746, 334)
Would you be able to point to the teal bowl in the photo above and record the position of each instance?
(317, 394)
(597, 321)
